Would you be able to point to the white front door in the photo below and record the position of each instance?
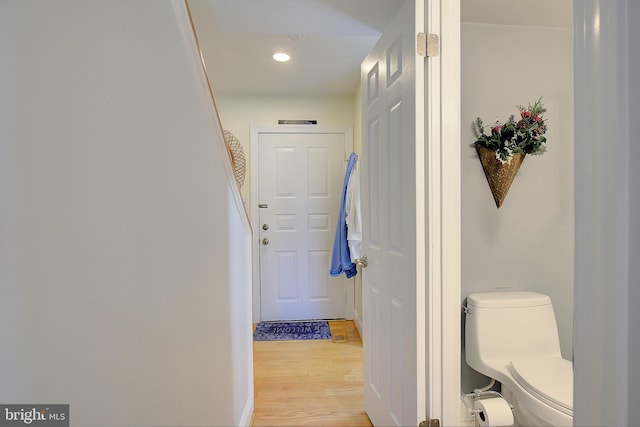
(391, 206)
(300, 182)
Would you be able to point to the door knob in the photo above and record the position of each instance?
(265, 241)
(363, 262)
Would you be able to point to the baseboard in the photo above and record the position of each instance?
(358, 322)
(246, 420)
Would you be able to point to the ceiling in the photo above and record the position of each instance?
(327, 39)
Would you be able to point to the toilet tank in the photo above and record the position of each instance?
(503, 326)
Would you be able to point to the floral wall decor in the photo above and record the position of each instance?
(502, 151)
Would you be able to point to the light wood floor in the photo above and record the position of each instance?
(310, 383)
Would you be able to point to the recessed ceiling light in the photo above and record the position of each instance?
(281, 56)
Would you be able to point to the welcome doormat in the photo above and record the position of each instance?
(281, 331)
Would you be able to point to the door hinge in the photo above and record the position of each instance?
(428, 44)
(430, 423)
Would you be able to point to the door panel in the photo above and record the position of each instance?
(389, 218)
(300, 183)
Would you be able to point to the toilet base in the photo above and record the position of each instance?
(522, 416)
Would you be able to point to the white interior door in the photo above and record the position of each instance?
(300, 184)
(390, 202)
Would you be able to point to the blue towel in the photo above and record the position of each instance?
(341, 258)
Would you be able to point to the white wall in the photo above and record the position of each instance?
(124, 276)
(528, 242)
(607, 341)
(633, 302)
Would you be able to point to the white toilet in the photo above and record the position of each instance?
(513, 338)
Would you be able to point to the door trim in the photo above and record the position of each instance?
(256, 130)
(443, 292)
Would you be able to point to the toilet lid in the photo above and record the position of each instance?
(549, 379)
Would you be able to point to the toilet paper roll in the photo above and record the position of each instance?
(493, 412)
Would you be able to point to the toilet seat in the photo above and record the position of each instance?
(549, 379)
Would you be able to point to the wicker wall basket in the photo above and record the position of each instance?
(238, 160)
(499, 176)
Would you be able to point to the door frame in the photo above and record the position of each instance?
(442, 301)
(256, 130)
